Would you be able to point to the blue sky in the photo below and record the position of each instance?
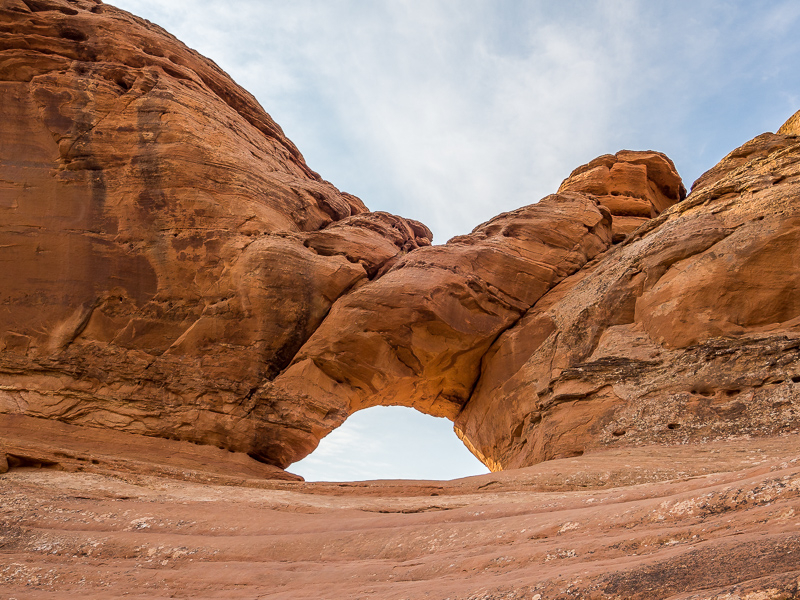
(451, 111)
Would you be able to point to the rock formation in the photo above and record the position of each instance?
(180, 288)
(174, 269)
(417, 336)
(714, 521)
(165, 247)
(792, 126)
(688, 330)
(633, 186)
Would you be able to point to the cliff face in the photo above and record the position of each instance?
(173, 268)
(165, 248)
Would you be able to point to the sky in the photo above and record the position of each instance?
(452, 111)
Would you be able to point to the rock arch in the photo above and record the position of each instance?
(416, 336)
(216, 289)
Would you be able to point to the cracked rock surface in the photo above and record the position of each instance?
(714, 521)
(165, 248)
(187, 308)
(689, 330)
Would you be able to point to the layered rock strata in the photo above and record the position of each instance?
(417, 336)
(714, 521)
(688, 331)
(633, 186)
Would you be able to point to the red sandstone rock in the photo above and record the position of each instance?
(415, 336)
(633, 186)
(713, 521)
(165, 248)
(686, 332)
(173, 268)
(792, 125)
(176, 270)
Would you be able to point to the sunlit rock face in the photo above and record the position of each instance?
(792, 125)
(173, 268)
(418, 336)
(165, 248)
(687, 331)
(633, 186)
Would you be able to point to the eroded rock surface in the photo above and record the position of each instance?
(715, 521)
(169, 253)
(165, 248)
(689, 330)
(173, 268)
(792, 125)
(633, 186)
(416, 337)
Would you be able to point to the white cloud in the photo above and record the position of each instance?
(422, 108)
(451, 111)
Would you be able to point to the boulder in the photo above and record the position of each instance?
(633, 186)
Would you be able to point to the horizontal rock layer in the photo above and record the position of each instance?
(714, 521)
(633, 186)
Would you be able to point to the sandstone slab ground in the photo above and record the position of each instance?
(713, 521)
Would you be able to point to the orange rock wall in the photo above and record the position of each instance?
(687, 331)
(173, 268)
(165, 247)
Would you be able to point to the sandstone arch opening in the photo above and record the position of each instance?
(390, 442)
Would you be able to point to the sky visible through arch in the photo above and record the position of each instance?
(451, 111)
(390, 442)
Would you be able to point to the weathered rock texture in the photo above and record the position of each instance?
(633, 186)
(173, 268)
(792, 126)
(715, 521)
(165, 248)
(417, 336)
(168, 252)
(689, 330)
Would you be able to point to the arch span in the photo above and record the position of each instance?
(416, 335)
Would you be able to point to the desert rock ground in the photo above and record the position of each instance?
(705, 521)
